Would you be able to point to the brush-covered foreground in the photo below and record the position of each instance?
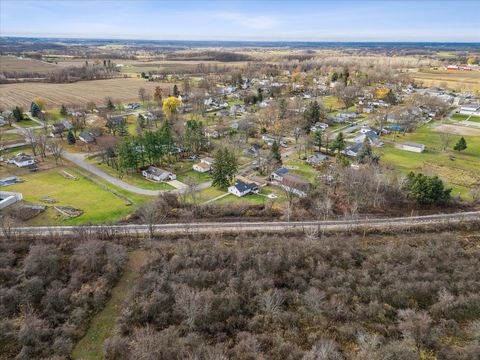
(408, 297)
(412, 296)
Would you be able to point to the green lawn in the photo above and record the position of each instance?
(302, 169)
(332, 102)
(458, 170)
(9, 137)
(99, 204)
(209, 193)
(461, 117)
(134, 179)
(27, 123)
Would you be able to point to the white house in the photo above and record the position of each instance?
(472, 109)
(205, 165)
(9, 198)
(241, 189)
(157, 174)
(22, 160)
(279, 174)
(295, 185)
(411, 146)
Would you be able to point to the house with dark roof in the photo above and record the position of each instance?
(86, 137)
(279, 174)
(353, 149)
(22, 160)
(241, 188)
(316, 158)
(158, 174)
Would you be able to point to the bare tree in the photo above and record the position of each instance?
(56, 149)
(142, 93)
(30, 138)
(42, 142)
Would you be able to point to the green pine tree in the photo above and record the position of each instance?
(63, 110)
(275, 150)
(176, 93)
(460, 145)
(18, 114)
(35, 109)
(71, 138)
(317, 139)
(339, 143)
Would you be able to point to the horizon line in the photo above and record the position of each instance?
(240, 40)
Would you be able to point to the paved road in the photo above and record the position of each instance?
(236, 227)
(79, 160)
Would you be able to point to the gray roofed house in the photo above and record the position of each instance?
(158, 174)
(316, 158)
(353, 149)
(86, 137)
(279, 174)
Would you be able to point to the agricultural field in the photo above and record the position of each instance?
(458, 169)
(454, 80)
(78, 93)
(16, 64)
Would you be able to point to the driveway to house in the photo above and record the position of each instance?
(79, 160)
(177, 184)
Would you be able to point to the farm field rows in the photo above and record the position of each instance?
(455, 80)
(78, 93)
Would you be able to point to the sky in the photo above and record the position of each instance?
(273, 20)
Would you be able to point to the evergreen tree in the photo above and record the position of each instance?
(35, 109)
(110, 105)
(339, 143)
(63, 110)
(176, 93)
(317, 139)
(427, 190)
(224, 168)
(18, 114)
(282, 105)
(312, 115)
(460, 145)
(122, 129)
(366, 154)
(275, 150)
(259, 95)
(334, 76)
(141, 122)
(71, 138)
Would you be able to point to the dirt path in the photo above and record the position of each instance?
(102, 324)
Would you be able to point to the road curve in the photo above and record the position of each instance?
(282, 226)
(79, 160)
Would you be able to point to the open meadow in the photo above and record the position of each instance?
(12, 64)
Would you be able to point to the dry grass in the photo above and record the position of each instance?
(455, 80)
(79, 93)
(12, 63)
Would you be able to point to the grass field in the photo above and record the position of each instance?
(78, 93)
(461, 117)
(99, 205)
(332, 102)
(458, 170)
